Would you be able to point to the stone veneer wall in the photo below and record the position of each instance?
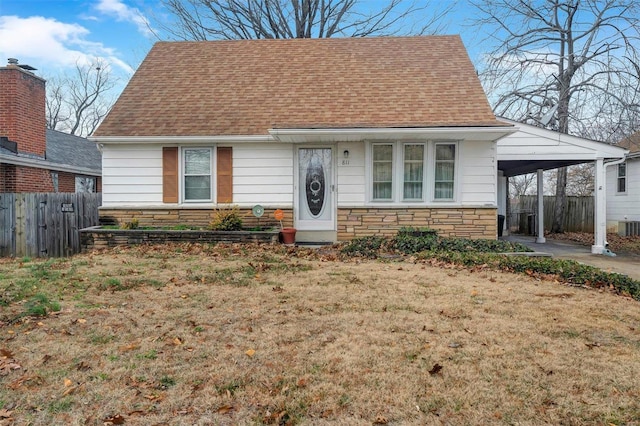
(193, 217)
(452, 222)
(95, 238)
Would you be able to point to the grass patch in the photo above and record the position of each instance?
(277, 335)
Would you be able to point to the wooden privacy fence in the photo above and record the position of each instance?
(578, 215)
(45, 224)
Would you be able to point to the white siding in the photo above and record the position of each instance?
(623, 206)
(131, 175)
(351, 174)
(478, 173)
(263, 174)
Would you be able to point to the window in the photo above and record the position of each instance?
(622, 177)
(445, 159)
(85, 184)
(413, 171)
(197, 174)
(383, 172)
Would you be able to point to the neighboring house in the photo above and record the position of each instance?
(32, 158)
(623, 190)
(349, 136)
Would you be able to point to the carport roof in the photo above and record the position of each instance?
(531, 148)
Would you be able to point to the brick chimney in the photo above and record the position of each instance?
(22, 108)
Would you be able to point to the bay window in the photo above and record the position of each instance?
(412, 172)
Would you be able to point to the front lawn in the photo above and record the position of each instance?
(265, 334)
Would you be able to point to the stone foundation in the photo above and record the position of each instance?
(449, 222)
(159, 217)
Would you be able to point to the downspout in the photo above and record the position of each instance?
(600, 222)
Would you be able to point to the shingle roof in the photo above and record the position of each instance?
(632, 143)
(64, 150)
(71, 150)
(246, 87)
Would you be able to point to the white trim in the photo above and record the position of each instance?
(390, 134)
(47, 165)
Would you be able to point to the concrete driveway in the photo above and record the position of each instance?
(622, 263)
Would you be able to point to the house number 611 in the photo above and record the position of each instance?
(345, 162)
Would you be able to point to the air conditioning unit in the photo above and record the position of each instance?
(627, 229)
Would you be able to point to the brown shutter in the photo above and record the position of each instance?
(170, 175)
(224, 175)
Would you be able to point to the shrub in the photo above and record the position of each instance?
(134, 224)
(226, 219)
(365, 246)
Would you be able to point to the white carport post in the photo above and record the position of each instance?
(600, 214)
(540, 221)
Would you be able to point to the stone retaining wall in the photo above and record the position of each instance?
(449, 222)
(98, 238)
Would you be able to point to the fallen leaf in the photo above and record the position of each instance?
(224, 409)
(46, 358)
(5, 414)
(82, 320)
(250, 353)
(592, 345)
(380, 420)
(436, 369)
(6, 353)
(177, 341)
(114, 420)
(67, 383)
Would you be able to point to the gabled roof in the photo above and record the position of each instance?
(246, 87)
(65, 152)
(531, 148)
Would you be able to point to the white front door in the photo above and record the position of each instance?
(315, 193)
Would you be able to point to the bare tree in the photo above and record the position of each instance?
(572, 60)
(523, 185)
(257, 19)
(77, 103)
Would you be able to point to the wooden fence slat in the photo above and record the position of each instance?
(579, 212)
(35, 224)
(7, 223)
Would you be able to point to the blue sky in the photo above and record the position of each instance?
(54, 35)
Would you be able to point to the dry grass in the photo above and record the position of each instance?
(265, 335)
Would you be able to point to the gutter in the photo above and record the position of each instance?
(43, 164)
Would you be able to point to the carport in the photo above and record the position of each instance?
(533, 149)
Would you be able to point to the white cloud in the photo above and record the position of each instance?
(40, 42)
(122, 12)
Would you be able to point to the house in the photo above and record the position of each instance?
(348, 136)
(33, 158)
(623, 190)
